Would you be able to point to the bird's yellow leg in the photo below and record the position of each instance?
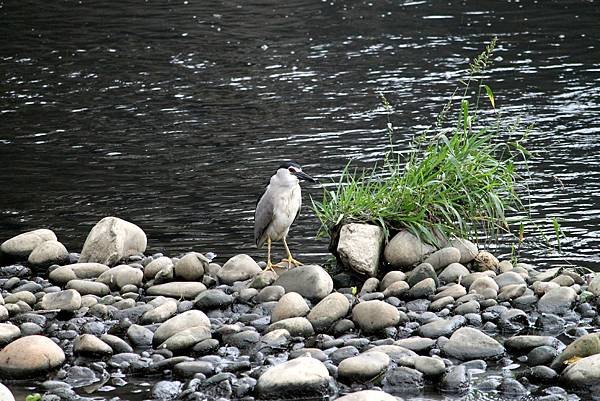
(290, 260)
(269, 264)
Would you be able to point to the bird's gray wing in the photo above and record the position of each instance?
(299, 207)
(263, 215)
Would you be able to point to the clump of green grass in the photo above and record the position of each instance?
(458, 181)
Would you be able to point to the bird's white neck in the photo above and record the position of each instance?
(284, 178)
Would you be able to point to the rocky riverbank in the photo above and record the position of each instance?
(458, 321)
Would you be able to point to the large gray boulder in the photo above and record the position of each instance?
(405, 250)
(238, 268)
(468, 343)
(30, 356)
(111, 240)
(22, 245)
(299, 378)
(310, 281)
(359, 247)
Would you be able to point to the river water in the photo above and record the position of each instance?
(173, 114)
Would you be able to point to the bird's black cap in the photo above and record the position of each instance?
(289, 164)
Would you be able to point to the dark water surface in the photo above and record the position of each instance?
(174, 114)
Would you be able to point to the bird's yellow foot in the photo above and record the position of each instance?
(270, 267)
(292, 262)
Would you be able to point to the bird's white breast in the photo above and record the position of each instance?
(286, 203)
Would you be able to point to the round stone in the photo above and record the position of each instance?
(291, 304)
(30, 356)
(329, 310)
(300, 377)
(375, 315)
(364, 367)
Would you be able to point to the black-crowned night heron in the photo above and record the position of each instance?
(277, 209)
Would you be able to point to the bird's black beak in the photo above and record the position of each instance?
(304, 176)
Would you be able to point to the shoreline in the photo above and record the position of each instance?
(233, 331)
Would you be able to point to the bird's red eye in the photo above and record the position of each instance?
(291, 170)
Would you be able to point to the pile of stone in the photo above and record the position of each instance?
(451, 320)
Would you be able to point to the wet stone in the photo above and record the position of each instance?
(557, 301)
(457, 380)
(512, 387)
(301, 377)
(243, 339)
(364, 367)
(117, 344)
(421, 272)
(469, 343)
(550, 323)
(296, 326)
(206, 346)
(270, 293)
(430, 367)
(416, 344)
(189, 369)
(342, 353)
(403, 380)
(213, 299)
(513, 320)
(542, 374)
(166, 390)
(140, 336)
(367, 395)
(443, 327)
(422, 289)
